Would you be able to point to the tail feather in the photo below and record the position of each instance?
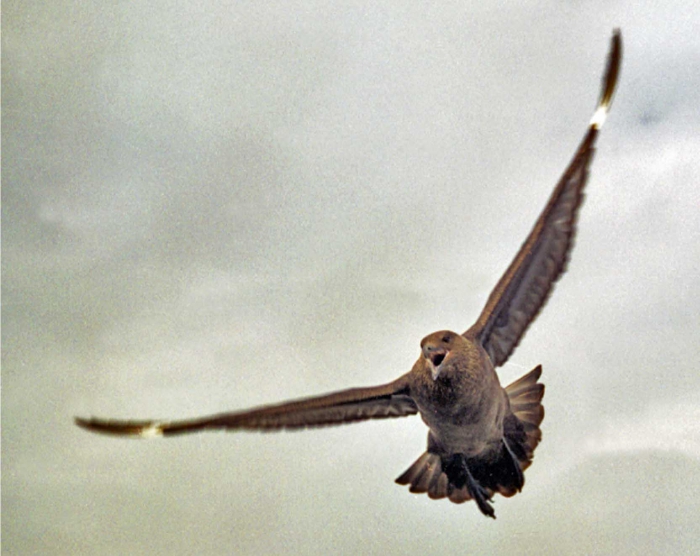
(426, 471)
(427, 475)
(421, 474)
(460, 495)
(502, 473)
(441, 487)
(524, 383)
(525, 396)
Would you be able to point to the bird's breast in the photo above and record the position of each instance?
(464, 413)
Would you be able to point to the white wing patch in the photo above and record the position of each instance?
(599, 116)
(154, 430)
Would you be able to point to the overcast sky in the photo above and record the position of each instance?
(213, 205)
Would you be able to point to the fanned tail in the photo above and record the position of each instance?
(523, 433)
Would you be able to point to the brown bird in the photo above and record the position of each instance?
(482, 436)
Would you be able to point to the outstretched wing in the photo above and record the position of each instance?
(524, 288)
(347, 406)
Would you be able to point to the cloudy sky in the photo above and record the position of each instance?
(213, 205)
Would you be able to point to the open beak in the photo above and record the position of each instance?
(435, 357)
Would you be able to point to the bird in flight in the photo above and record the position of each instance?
(481, 436)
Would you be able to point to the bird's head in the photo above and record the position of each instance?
(436, 349)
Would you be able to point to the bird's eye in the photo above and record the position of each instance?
(446, 338)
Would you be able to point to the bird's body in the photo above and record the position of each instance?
(465, 406)
(476, 445)
(481, 436)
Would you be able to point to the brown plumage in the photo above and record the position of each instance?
(482, 436)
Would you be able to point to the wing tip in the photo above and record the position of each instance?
(610, 77)
(149, 429)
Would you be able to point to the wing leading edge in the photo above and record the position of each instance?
(347, 406)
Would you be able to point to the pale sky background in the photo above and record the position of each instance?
(213, 205)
